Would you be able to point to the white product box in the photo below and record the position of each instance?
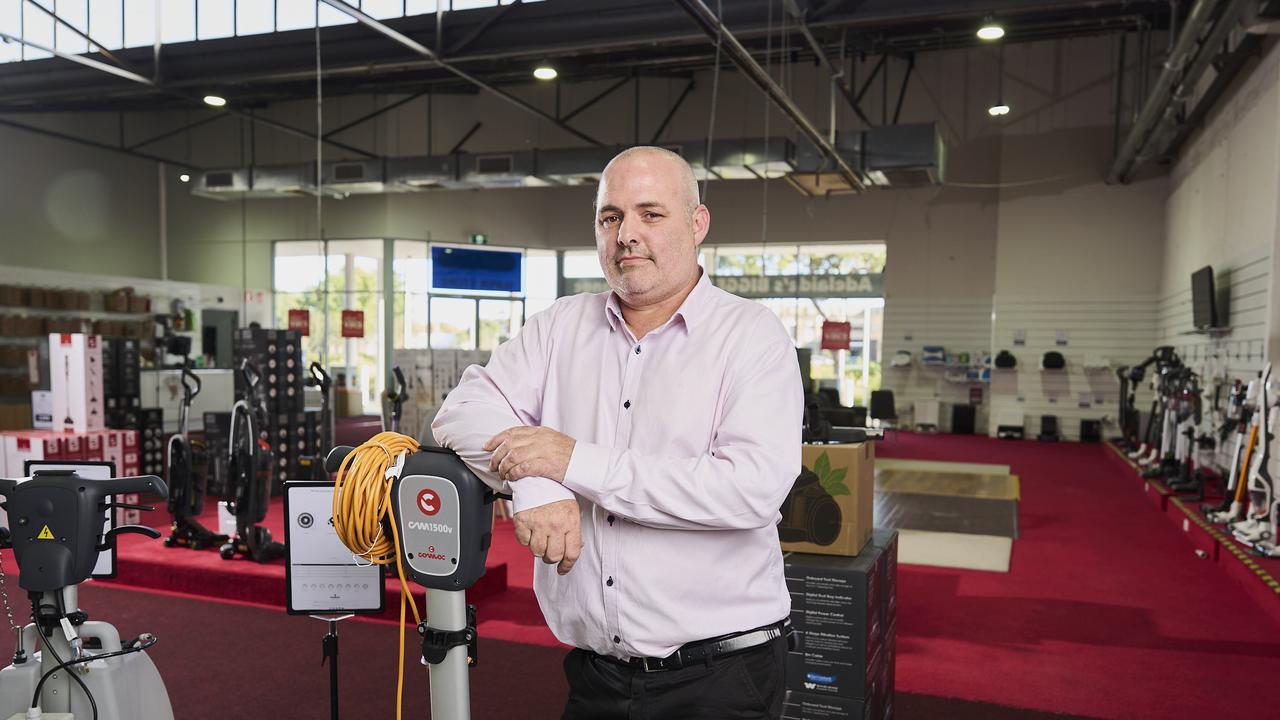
(75, 374)
(42, 409)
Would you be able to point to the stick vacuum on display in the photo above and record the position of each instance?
(186, 491)
(250, 488)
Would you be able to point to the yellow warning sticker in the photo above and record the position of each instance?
(45, 534)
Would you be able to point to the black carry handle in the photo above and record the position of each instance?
(251, 374)
(190, 389)
(320, 378)
(334, 459)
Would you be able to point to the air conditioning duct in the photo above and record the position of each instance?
(355, 176)
(501, 170)
(903, 156)
(274, 181)
(436, 172)
(752, 158)
(574, 166)
(221, 184)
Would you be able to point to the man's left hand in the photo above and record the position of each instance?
(522, 452)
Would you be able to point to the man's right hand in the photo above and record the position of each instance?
(552, 532)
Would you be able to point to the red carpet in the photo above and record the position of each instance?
(1106, 611)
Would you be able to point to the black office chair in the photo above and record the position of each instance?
(882, 408)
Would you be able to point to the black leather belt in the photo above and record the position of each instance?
(703, 650)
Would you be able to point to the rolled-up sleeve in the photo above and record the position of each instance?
(503, 394)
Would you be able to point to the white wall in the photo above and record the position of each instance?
(1222, 212)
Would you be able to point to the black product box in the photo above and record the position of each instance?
(808, 706)
(838, 615)
(129, 367)
(887, 540)
(890, 670)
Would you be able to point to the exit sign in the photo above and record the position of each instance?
(479, 239)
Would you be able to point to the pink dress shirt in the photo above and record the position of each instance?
(687, 443)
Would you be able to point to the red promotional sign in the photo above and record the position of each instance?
(300, 320)
(835, 335)
(353, 323)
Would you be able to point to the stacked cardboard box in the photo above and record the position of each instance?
(843, 610)
(119, 447)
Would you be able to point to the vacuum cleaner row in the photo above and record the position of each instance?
(1195, 413)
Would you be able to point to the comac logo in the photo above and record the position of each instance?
(815, 679)
(428, 502)
(430, 526)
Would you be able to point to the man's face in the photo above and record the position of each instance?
(645, 236)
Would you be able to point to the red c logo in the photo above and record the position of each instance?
(428, 502)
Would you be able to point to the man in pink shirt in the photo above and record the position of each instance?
(648, 437)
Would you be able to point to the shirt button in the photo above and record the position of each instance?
(627, 404)
(611, 519)
(609, 582)
(637, 349)
(617, 639)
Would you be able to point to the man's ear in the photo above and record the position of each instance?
(701, 224)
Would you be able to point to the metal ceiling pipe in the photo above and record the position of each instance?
(426, 52)
(1158, 103)
(1163, 134)
(710, 24)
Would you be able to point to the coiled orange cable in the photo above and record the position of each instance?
(362, 513)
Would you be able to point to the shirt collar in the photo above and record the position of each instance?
(690, 312)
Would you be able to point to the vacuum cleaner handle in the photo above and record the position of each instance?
(251, 374)
(320, 378)
(398, 397)
(192, 389)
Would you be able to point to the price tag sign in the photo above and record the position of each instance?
(352, 323)
(835, 335)
(300, 320)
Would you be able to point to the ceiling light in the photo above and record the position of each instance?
(214, 100)
(184, 177)
(998, 110)
(545, 72)
(990, 31)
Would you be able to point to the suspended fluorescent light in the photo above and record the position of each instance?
(214, 100)
(545, 72)
(998, 110)
(990, 31)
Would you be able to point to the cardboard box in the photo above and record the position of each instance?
(837, 612)
(829, 511)
(75, 362)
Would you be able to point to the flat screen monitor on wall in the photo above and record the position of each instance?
(1204, 311)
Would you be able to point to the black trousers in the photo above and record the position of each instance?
(745, 685)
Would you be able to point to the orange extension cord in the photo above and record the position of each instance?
(362, 510)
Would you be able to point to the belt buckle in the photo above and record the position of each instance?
(652, 665)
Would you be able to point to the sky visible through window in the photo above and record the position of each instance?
(118, 24)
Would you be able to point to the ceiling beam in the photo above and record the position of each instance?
(426, 52)
(711, 25)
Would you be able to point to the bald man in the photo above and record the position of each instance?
(648, 436)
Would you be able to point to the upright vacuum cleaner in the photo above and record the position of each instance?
(324, 442)
(393, 407)
(83, 669)
(186, 491)
(250, 487)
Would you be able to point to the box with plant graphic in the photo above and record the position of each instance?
(829, 510)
